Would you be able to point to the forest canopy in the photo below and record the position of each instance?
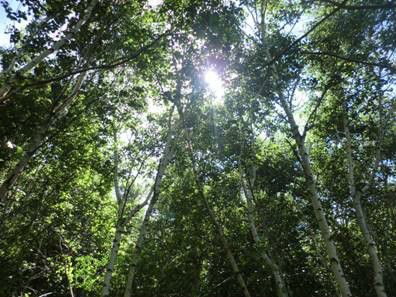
(198, 148)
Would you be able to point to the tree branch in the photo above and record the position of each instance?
(386, 5)
(349, 59)
(111, 65)
(312, 115)
(298, 40)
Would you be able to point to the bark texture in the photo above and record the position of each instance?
(143, 227)
(361, 218)
(278, 276)
(38, 138)
(219, 228)
(317, 204)
(5, 89)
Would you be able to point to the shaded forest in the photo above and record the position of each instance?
(199, 148)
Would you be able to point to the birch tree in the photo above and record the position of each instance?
(124, 215)
(230, 256)
(274, 176)
(38, 138)
(361, 217)
(278, 275)
(163, 163)
(304, 159)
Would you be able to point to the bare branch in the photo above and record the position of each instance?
(139, 206)
(312, 115)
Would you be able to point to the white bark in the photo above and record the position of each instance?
(112, 260)
(16, 172)
(138, 248)
(361, 218)
(143, 227)
(37, 139)
(219, 228)
(120, 201)
(116, 243)
(58, 44)
(279, 280)
(5, 89)
(317, 205)
(320, 216)
(324, 227)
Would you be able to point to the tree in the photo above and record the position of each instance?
(198, 148)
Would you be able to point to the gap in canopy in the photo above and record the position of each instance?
(214, 85)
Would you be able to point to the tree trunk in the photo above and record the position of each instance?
(143, 228)
(16, 172)
(4, 90)
(212, 216)
(361, 218)
(317, 205)
(57, 45)
(37, 139)
(279, 281)
(116, 244)
(138, 248)
(111, 263)
(311, 183)
(224, 242)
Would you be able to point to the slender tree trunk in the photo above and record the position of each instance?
(212, 215)
(16, 172)
(37, 139)
(278, 276)
(138, 248)
(361, 218)
(143, 228)
(317, 205)
(71, 290)
(112, 261)
(121, 202)
(4, 90)
(311, 183)
(224, 241)
(121, 222)
(116, 244)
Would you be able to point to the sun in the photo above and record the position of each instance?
(215, 85)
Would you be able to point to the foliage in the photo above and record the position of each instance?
(93, 92)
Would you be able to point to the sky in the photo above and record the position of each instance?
(5, 22)
(212, 79)
(3, 25)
